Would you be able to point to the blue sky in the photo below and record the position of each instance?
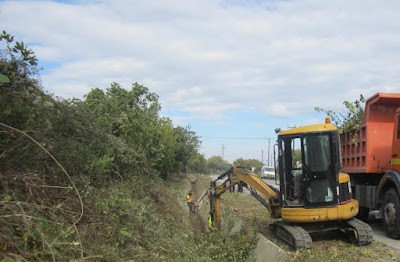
(230, 69)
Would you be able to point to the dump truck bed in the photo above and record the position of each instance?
(369, 149)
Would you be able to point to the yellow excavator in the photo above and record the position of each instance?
(314, 195)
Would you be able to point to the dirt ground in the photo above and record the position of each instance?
(327, 246)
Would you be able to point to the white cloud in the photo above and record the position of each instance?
(77, 78)
(258, 125)
(209, 58)
(280, 109)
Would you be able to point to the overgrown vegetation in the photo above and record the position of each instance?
(197, 164)
(352, 119)
(217, 165)
(94, 179)
(221, 246)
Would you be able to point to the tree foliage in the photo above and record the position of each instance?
(132, 118)
(351, 119)
(249, 163)
(197, 164)
(20, 89)
(217, 164)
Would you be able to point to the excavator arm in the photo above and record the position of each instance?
(267, 195)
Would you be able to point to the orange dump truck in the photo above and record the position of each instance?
(371, 156)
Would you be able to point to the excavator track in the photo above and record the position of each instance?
(295, 236)
(361, 232)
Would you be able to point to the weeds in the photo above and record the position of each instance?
(36, 219)
(220, 246)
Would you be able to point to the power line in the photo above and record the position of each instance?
(249, 138)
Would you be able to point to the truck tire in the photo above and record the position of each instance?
(391, 213)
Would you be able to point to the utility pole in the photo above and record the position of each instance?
(223, 149)
(268, 151)
(262, 157)
(269, 144)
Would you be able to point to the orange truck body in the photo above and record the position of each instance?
(372, 148)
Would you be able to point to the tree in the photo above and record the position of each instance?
(187, 144)
(147, 141)
(249, 163)
(217, 164)
(132, 118)
(177, 146)
(197, 164)
(20, 89)
(349, 121)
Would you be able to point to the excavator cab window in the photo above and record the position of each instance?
(317, 161)
(292, 171)
(309, 164)
(317, 152)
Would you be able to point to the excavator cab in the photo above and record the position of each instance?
(309, 164)
(310, 177)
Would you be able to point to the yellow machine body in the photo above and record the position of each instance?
(307, 215)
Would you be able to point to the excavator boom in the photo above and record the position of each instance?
(270, 196)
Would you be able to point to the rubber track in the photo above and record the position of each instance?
(295, 236)
(364, 234)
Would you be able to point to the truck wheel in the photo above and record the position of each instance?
(391, 213)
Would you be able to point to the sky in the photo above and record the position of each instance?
(232, 70)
